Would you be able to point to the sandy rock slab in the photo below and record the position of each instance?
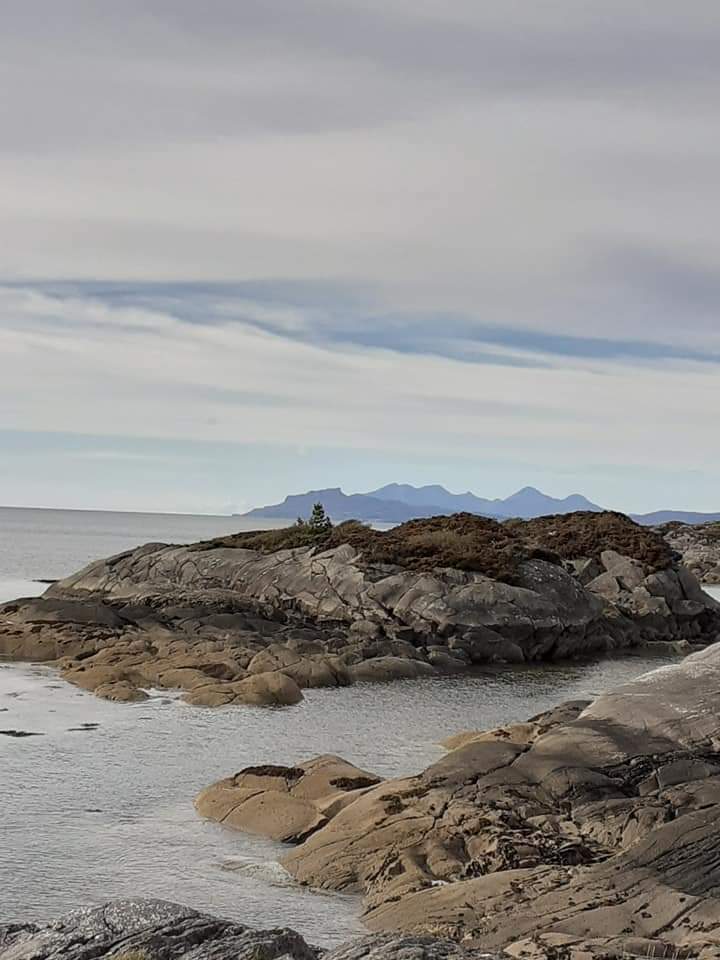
(591, 830)
(159, 930)
(285, 803)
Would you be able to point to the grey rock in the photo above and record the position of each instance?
(159, 929)
(407, 947)
(699, 547)
(201, 619)
(585, 569)
(630, 572)
(606, 585)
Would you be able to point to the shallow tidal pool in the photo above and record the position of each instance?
(98, 803)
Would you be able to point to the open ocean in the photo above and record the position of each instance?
(51, 544)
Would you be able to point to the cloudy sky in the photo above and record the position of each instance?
(249, 248)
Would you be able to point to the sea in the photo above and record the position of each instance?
(97, 803)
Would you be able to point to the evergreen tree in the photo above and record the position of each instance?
(319, 521)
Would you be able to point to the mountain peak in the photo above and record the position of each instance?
(396, 502)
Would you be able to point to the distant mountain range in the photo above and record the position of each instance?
(527, 502)
(397, 502)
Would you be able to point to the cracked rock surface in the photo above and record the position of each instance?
(699, 546)
(593, 827)
(158, 930)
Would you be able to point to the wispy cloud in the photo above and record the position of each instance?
(326, 315)
(127, 370)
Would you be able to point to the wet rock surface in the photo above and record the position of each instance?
(228, 624)
(159, 930)
(590, 830)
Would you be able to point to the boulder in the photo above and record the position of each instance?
(274, 689)
(629, 572)
(285, 803)
(121, 692)
(381, 669)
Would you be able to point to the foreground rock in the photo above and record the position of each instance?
(229, 622)
(158, 930)
(594, 827)
(699, 546)
(285, 803)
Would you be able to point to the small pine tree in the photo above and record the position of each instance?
(319, 521)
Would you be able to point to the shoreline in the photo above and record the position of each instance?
(117, 780)
(144, 763)
(585, 827)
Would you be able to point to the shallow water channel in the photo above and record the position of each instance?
(99, 804)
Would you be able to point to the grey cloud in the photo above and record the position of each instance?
(565, 215)
(142, 72)
(666, 286)
(659, 291)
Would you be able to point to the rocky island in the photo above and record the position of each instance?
(257, 617)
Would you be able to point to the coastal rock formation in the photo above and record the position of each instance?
(158, 930)
(285, 803)
(590, 830)
(241, 621)
(699, 547)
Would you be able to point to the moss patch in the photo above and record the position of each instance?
(468, 542)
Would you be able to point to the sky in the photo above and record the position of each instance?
(248, 249)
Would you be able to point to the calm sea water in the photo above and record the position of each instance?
(50, 544)
(94, 813)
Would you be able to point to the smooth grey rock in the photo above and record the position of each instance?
(160, 929)
(544, 604)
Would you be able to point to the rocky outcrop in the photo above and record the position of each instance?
(158, 930)
(285, 803)
(699, 547)
(228, 624)
(593, 827)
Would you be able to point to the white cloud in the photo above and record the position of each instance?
(82, 366)
(496, 159)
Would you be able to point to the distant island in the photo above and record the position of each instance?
(398, 502)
